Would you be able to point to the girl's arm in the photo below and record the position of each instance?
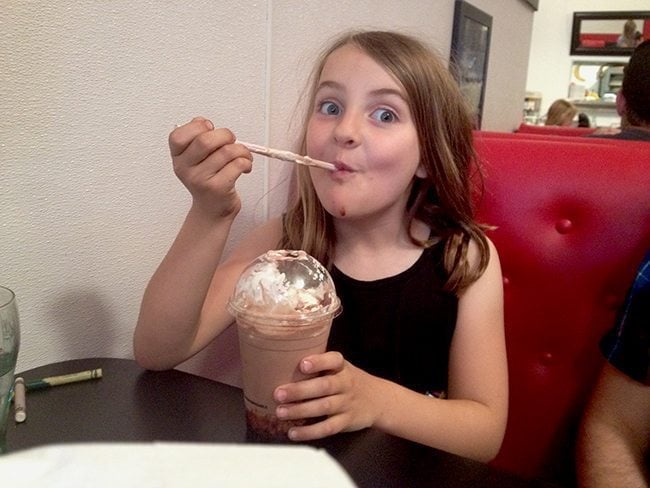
(167, 329)
(471, 422)
(184, 304)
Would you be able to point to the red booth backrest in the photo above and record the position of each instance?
(556, 130)
(597, 40)
(572, 222)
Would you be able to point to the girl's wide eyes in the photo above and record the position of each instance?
(381, 114)
(329, 108)
(384, 115)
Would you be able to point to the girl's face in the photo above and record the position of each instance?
(361, 122)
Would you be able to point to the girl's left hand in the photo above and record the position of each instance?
(341, 392)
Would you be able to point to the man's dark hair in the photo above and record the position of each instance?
(636, 86)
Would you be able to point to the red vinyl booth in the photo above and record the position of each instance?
(556, 130)
(598, 40)
(572, 221)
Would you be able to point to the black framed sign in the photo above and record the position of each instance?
(533, 3)
(470, 49)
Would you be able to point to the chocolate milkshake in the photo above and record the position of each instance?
(284, 304)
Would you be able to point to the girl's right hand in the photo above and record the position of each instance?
(208, 162)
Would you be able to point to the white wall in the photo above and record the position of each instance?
(549, 70)
(89, 92)
(509, 52)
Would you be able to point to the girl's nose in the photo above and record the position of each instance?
(347, 128)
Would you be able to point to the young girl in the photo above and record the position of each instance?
(418, 350)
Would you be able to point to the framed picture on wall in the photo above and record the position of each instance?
(470, 49)
(609, 33)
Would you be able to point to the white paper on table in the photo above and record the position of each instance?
(168, 464)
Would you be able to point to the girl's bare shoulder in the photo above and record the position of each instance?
(474, 251)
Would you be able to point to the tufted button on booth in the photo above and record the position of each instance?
(547, 358)
(564, 226)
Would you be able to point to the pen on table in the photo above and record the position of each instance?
(20, 407)
(41, 383)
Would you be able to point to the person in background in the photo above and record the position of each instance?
(613, 444)
(633, 99)
(630, 36)
(418, 350)
(583, 120)
(561, 112)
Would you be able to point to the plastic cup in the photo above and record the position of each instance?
(9, 344)
(284, 304)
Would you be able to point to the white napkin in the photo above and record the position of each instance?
(165, 464)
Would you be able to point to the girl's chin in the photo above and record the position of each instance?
(338, 212)
(337, 207)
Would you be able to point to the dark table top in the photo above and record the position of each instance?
(129, 404)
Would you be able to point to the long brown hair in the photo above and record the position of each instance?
(443, 199)
(560, 111)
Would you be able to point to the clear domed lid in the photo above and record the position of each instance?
(285, 284)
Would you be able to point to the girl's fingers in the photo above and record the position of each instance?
(317, 407)
(181, 137)
(299, 391)
(192, 143)
(321, 407)
(216, 163)
(324, 384)
(319, 363)
(329, 426)
(217, 142)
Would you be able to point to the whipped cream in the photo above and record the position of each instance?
(285, 283)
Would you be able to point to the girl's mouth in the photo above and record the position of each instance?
(341, 166)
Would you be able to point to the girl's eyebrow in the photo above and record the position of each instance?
(378, 92)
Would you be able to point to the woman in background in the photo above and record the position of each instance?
(561, 112)
(630, 37)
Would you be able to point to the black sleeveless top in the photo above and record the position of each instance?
(400, 327)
